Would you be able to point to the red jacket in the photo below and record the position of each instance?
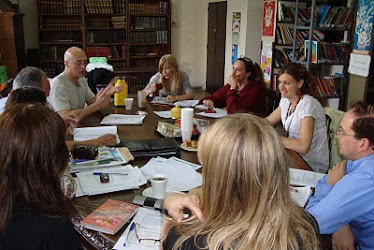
(250, 99)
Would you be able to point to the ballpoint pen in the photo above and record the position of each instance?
(132, 227)
(99, 173)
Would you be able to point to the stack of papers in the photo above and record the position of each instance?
(89, 133)
(120, 178)
(182, 175)
(186, 103)
(107, 157)
(306, 179)
(160, 100)
(118, 119)
(219, 113)
(149, 225)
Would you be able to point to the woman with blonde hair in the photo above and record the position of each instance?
(245, 194)
(170, 81)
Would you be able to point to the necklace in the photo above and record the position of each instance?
(290, 111)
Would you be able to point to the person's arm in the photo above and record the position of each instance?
(171, 98)
(218, 98)
(343, 239)
(175, 203)
(151, 86)
(302, 144)
(108, 140)
(275, 117)
(334, 205)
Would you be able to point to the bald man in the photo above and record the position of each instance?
(70, 92)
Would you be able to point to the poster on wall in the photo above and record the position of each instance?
(268, 20)
(266, 57)
(234, 53)
(236, 16)
(364, 26)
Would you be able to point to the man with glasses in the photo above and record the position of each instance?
(70, 91)
(343, 199)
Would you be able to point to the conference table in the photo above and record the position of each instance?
(83, 206)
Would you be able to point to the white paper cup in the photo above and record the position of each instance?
(186, 135)
(159, 182)
(128, 103)
(142, 101)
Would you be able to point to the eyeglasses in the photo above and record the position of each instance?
(340, 131)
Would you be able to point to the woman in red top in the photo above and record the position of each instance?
(244, 91)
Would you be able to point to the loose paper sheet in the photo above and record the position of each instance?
(219, 113)
(301, 177)
(118, 119)
(89, 133)
(163, 114)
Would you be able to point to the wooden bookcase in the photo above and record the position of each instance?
(327, 57)
(131, 34)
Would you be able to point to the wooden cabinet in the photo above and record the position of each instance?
(131, 34)
(12, 45)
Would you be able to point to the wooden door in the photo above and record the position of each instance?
(216, 45)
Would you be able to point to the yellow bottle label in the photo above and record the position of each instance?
(119, 98)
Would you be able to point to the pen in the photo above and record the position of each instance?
(131, 228)
(99, 173)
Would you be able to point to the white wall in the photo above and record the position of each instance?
(189, 38)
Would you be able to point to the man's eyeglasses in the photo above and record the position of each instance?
(340, 131)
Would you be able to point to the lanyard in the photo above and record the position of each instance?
(290, 111)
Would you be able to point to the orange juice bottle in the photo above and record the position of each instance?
(119, 98)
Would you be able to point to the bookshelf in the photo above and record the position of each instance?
(327, 54)
(132, 34)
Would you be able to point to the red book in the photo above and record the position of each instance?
(110, 217)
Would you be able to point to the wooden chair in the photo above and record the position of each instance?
(271, 100)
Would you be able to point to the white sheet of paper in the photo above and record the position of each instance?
(119, 119)
(300, 195)
(186, 103)
(89, 133)
(163, 114)
(91, 185)
(201, 106)
(150, 222)
(219, 113)
(300, 177)
(160, 100)
(181, 176)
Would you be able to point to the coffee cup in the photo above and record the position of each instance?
(158, 183)
(128, 103)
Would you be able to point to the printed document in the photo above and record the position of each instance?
(118, 119)
(299, 177)
(89, 133)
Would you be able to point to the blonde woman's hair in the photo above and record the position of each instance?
(245, 194)
(173, 84)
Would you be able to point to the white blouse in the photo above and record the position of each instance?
(318, 155)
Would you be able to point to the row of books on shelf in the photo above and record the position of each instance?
(138, 80)
(52, 69)
(334, 16)
(61, 22)
(330, 86)
(160, 8)
(149, 63)
(149, 37)
(119, 22)
(61, 37)
(287, 13)
(115, 52)
(59, 7)
(52, 52)
(148, 23)
(159, 50)
(284, 35)
(98, 6)
(106, 36)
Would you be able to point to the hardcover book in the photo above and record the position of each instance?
(110, 217)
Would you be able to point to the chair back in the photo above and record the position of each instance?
(271, 100)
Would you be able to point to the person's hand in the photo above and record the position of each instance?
(233, 81)
(336, 173)
(175, 203)
(71, 118)
(343, 239)
(106, 140)
(103, 97)
(171, 98)
(153, 88)
(209, 104)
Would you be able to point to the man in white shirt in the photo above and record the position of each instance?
(70, 92)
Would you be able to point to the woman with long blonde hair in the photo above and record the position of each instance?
(245, 194)
(170, 81)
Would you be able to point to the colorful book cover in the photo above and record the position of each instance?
(314, 55)
(268, 20)
(110, 217)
